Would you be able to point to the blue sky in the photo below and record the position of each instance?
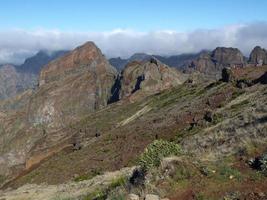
(124, 27)
(139, 15)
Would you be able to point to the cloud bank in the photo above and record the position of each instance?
(16, 45)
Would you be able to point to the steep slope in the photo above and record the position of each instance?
(202, 118)
(213, 63)
(34, 64)
(12, 82)
(148, 77)
(17, 79)
(258, 56)
(76, 84)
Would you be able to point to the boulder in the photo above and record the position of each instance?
(152, 197)
(133, 197)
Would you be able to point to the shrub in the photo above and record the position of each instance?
(156, 151)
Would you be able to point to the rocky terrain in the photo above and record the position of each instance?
(158, 132)
(17, 79)
(258, 56)
(212, 63)
(180, 62)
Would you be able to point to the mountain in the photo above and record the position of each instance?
(120, 63)
(13, 82)
(212, 63)
(148, 77)
(76, 83)
(165, 135)
(34, 64)
(178, 61)
(258, 56)
(17, 79)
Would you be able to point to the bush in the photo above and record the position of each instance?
(156, 151)
(260, 163)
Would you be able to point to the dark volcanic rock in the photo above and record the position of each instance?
(258, 56)
(212, 63)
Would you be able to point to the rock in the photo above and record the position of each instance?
(35, 63)
(13, 82)
(145, 78)
(258, 56)
(227, 75)
(262, 79)
(76, 83)
(212, 63)
(133, 197)
(152, 197)
(228, 57)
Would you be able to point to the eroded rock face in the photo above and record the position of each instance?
(13, 82)
(213, 63)
(258, 56)
(76, 83)
(144, 78)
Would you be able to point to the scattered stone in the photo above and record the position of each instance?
(152, 197)
(133, 197)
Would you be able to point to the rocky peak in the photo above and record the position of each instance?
(212, 63)
(85, 57)
(148, 77)
(78, 82)
(258, 56)
(227, 56)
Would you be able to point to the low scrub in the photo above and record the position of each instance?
(156, 151)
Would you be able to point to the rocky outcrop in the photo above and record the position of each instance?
(212, 63)
(17, 79)
(75, 84)
(145, 78)
(12, 82)
(34, 64)
(258, 56)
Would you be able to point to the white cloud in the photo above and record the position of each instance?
(16, 45)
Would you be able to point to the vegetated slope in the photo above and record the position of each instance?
(79, 83)
(210, 120)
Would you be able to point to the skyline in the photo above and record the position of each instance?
(139, 15)
(122, 28)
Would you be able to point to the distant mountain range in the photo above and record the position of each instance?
(15, 79)
(178, 61)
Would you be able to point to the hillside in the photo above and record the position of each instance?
(200, 134)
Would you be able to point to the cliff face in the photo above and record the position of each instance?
(13, 82)
(76, 83)
(258, 56)
(212, 63)
(148, 77)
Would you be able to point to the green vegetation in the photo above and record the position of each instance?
(239, 106)
(88, 176)
(101, 194)
(227, 172)
(121, 181)
(156, 151)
